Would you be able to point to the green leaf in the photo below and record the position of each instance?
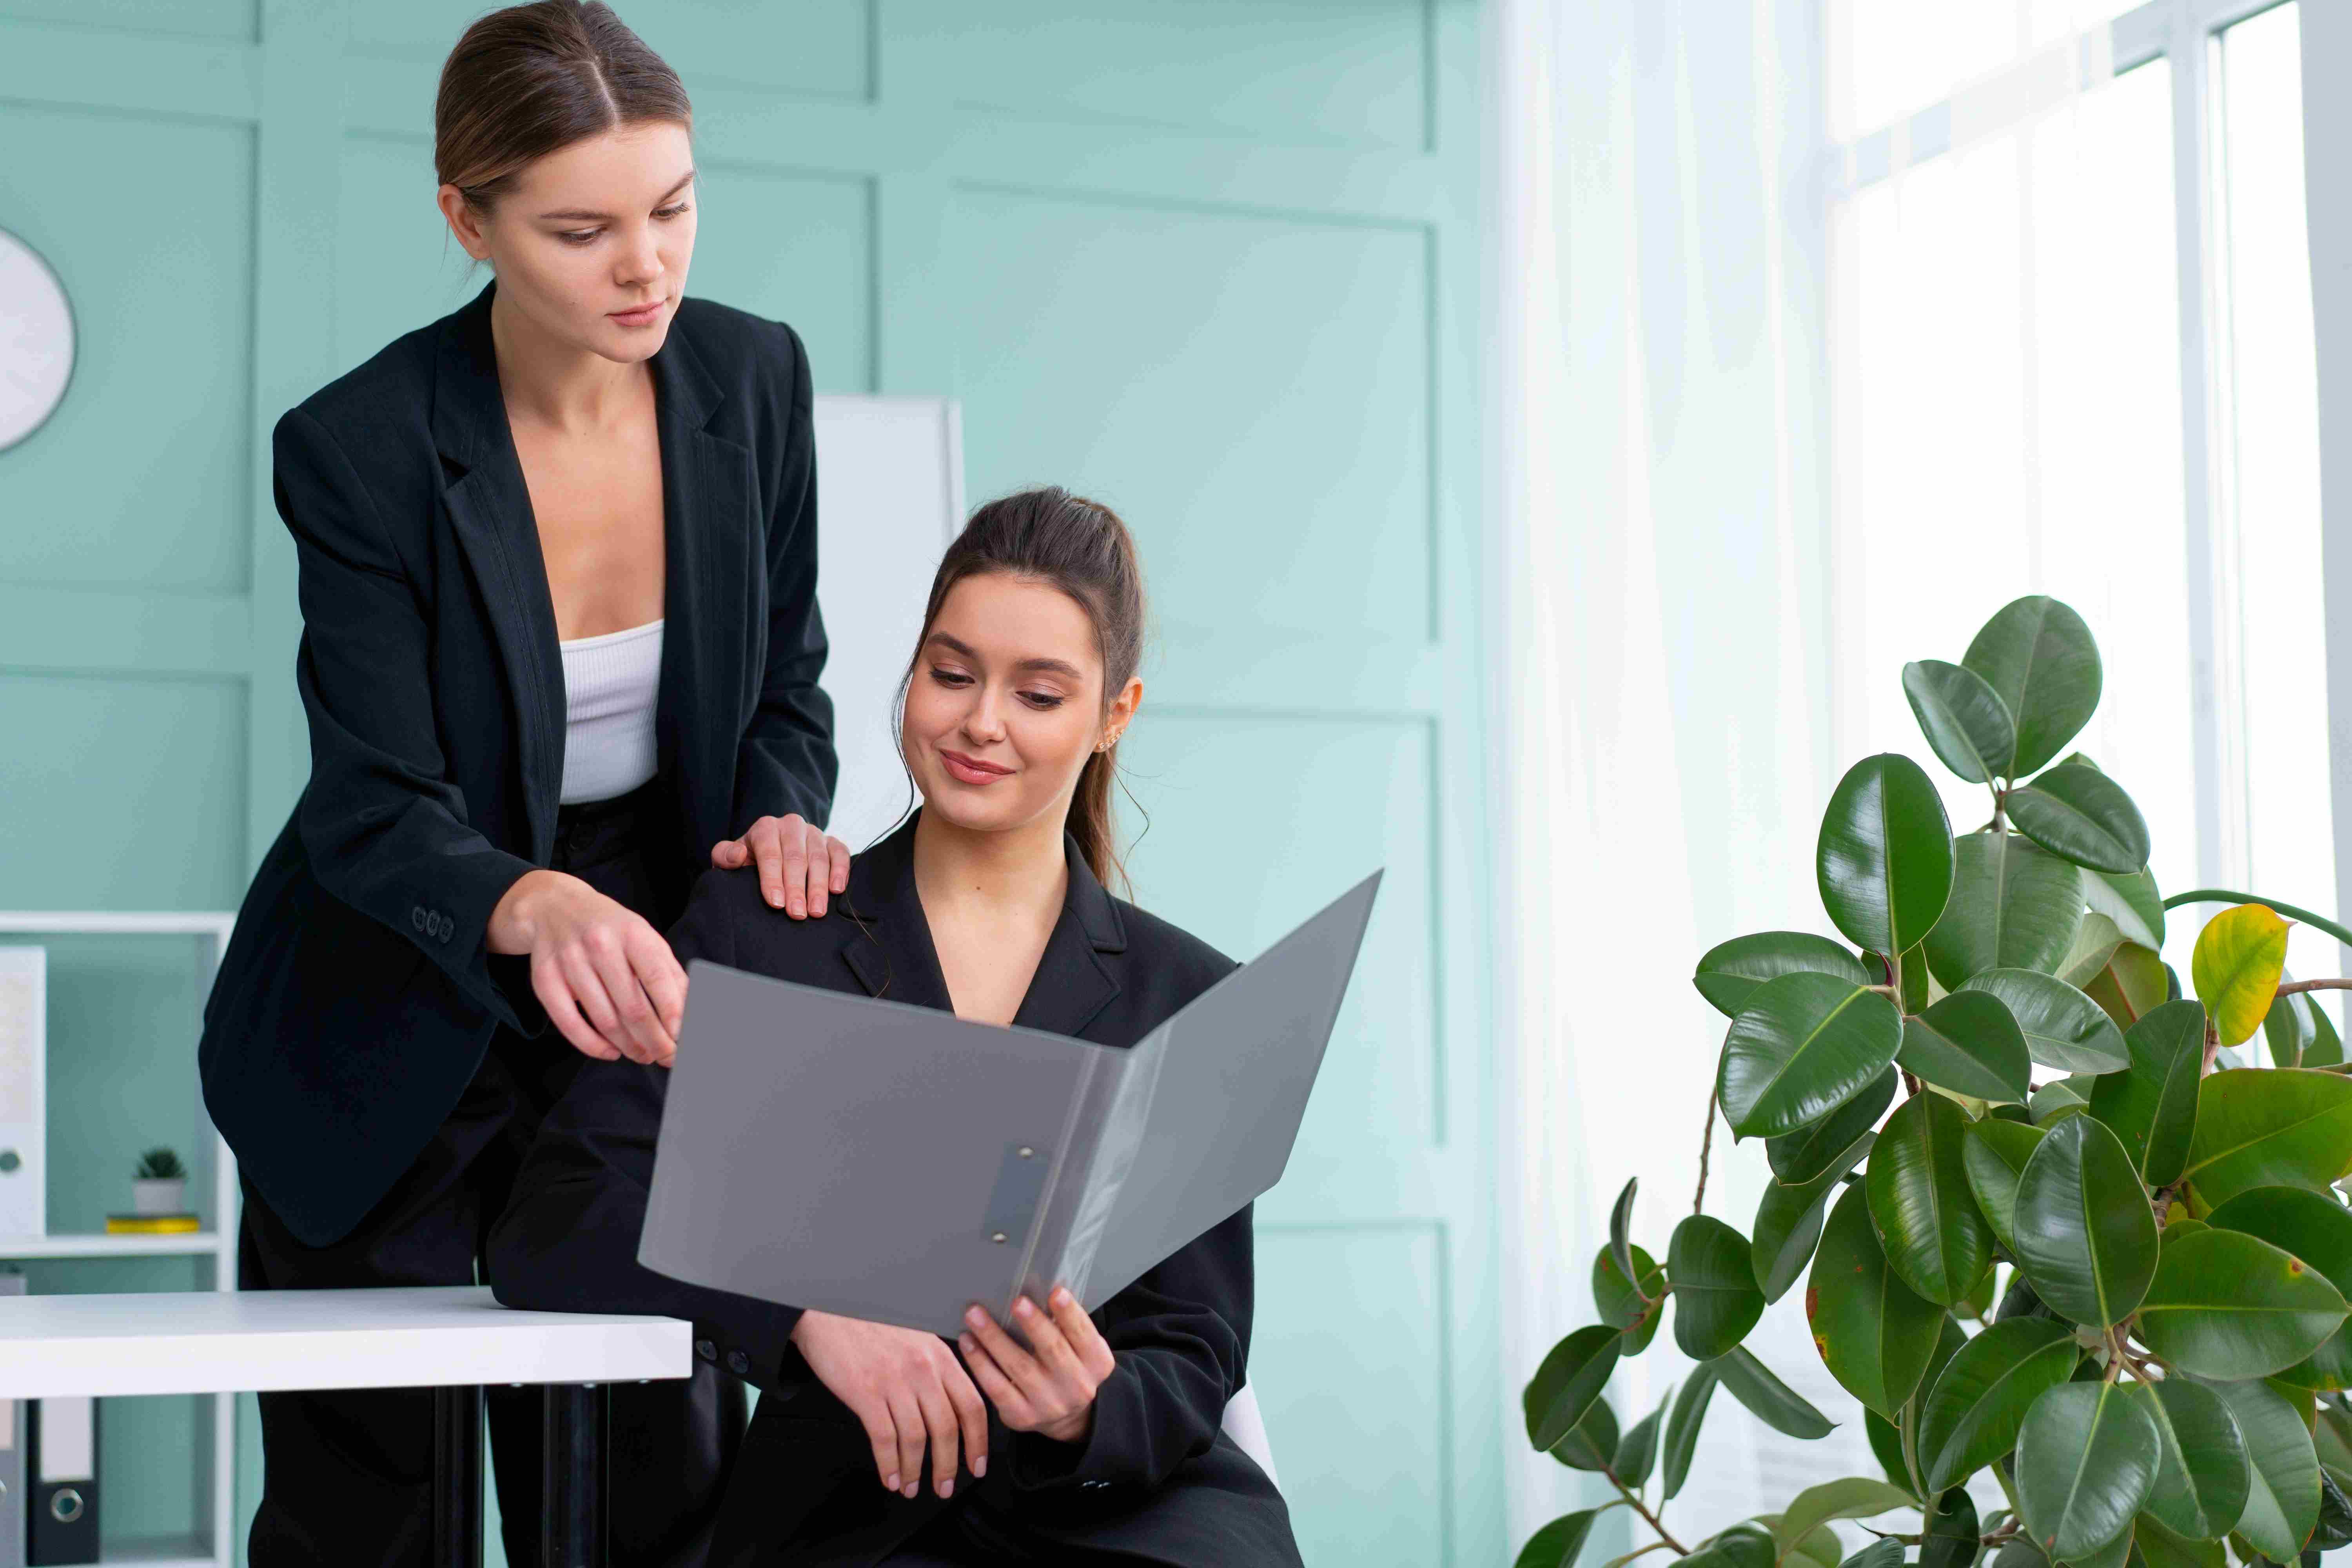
(2152, 1105)
(2063, 1028)
(1968, 1044)
(1730, 972)
(2116, 1554)
(1769, 1399)
(1715, 1298)
(2276, 1127)
(2014, 905)
(2201, 1473)
(1568, 1383)
(1962, 717)
(2228, 1305)
(2326, 1047)
(1886, 1445)
(1873, 1332)
(1972, 1414)
(2317, 1230)
(1591, 1443)
(1789, 1221)
(2239, 958)
(2288, 1030)
(1978, 1303)
(2332, 1435)
(1880, 1554)
(2154, 1546)
(1993, 1157)
(1682, 1424)
(2134, 984)
(2018, 1552)
(1950, 1538)
(1800, 1156)
(1884, 859)
(2040, 660)
(1620, 1306)
(2083, 816)
(2085, 1233)
(1919, 1203)
(2282, 1493)
(1803, 1046)
(1621, 1224)
(1638, 1448)
(1741, 1546)
(1821, 1549)
(2086, 1458)
(2061, 1097)
(2132, 903)
(1853, 1496)
(2095, 941)
(1559, 1543)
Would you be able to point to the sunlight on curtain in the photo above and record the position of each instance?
(1892, 57)
(2007, 421)
(2272, 493)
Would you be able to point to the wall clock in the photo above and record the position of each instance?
(37, 341)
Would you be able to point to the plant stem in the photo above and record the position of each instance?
(1705, 1144)
(2007, 1489)
(2212, 1044)
(1665, 1537)
(2223, 896)
(2293, 986)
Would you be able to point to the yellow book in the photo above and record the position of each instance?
(152, 1224)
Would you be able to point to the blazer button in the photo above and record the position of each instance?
(706, 1350)
(447, 925)
(416, 916)
(739, 1363)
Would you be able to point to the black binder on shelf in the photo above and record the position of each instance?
(13, 1494)
(61, 1464)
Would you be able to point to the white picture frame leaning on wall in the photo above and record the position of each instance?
(24, 1090)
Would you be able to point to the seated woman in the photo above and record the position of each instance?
(1100, 1442)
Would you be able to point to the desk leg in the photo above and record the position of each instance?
(572, 1484)
(457, 1478)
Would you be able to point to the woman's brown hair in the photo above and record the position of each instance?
(1081, 547)
(531, 80)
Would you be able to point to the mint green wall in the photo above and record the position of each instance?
(1216, 262)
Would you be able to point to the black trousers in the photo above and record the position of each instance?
(347, 1477)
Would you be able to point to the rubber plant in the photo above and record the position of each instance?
(2050, 1224)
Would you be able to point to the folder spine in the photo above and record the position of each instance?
(1046, 1254)
(61, 1462)
(15, 1481)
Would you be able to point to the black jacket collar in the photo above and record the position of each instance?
(709, 533)
(890, 950)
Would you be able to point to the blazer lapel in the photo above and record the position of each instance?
(712, 653)
(1078, 975)
(888, 947)
(489, 505)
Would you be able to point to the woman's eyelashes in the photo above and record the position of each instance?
(956, 680)
(584, 235)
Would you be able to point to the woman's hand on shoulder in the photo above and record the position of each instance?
(906, 1389)
(1049, 1388)
(801, 865)
(609, 982)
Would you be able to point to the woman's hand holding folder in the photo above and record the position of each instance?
(1048, 1389)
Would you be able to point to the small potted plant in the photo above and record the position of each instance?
(160, 1185)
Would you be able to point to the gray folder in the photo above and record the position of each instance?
(897, 1163)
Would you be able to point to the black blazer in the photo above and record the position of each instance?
(1157, 1469)
(357, 996)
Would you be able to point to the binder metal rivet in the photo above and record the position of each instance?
(64, 1505)
(997, 1237)
(1027, 1152)
(10, 1160)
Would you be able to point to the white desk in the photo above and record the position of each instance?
(451, 1340)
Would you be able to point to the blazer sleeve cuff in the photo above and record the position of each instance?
(452, 925)
(1114, 1452)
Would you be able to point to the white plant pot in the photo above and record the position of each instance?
(168, 1196)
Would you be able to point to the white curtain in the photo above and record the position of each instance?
(1655, 555)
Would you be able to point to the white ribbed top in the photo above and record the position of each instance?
(610, 684)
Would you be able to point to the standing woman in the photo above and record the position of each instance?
(561, 647)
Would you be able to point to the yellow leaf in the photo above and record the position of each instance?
(2236, 967)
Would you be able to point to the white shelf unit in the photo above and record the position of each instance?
(212, 1168)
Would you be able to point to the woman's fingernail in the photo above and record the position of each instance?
(974, 1316)
(893, 1482)
(911, 1488)
(979, 1465)
(947, 1488)
(1023, 1307)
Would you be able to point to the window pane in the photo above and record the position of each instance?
(2272, 489)
(2008, 421)
(1892, 57)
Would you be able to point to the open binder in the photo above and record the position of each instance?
(897, 1163)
